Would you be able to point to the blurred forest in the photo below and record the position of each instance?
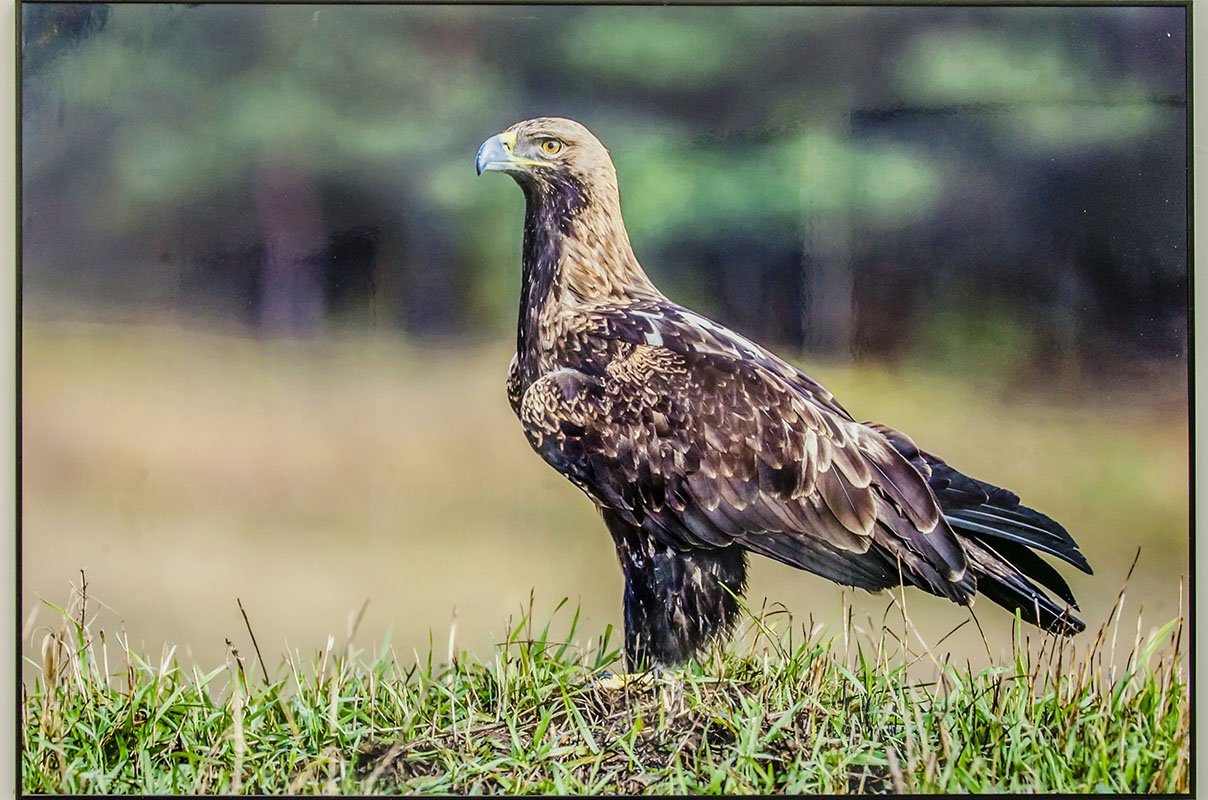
(872, 182)
(268, 305)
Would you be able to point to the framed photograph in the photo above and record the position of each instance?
(570, 399)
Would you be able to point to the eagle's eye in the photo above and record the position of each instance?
(551, 147)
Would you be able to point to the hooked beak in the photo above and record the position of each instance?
(495, 155)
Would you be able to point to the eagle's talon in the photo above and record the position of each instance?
(611, 682)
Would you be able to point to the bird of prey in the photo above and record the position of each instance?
(699, 446)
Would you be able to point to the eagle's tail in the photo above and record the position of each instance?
(999, 535)
(1007, 573)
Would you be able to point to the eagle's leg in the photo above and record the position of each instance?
(676, 601)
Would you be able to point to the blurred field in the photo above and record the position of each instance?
(183, 469)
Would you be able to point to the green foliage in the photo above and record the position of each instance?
(986, 67)
(368, 91)
(774, 713)
(334, 93)
(1044, 92)
(888, 185)
(653, 47)
(153, 126)
(673, 190)
(1077, 128)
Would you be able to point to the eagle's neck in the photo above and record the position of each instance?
(576, 255)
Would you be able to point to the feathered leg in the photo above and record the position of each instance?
(676, 602)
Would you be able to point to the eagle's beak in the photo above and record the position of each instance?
(495, 155)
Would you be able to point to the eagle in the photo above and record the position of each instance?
(699, 446)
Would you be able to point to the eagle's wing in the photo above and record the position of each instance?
(703, 439)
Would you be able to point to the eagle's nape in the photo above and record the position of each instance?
(699, 446)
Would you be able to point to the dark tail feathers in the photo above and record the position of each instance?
(999, 535)
(1005, 572)
(1018, 524)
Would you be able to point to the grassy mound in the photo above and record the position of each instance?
(784, 709)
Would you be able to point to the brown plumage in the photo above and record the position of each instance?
(698, 445)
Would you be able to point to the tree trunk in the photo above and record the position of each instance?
(291, 227)
(828, 312)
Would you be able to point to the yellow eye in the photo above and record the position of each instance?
(551, 147)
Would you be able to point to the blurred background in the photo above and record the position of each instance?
(268, 307)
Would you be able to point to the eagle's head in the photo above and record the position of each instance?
(548, 151)
(574, 235)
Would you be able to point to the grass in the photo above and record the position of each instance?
(785, 708)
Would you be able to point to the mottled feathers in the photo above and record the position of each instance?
(705, 440)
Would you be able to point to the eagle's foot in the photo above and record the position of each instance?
(612, 682)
